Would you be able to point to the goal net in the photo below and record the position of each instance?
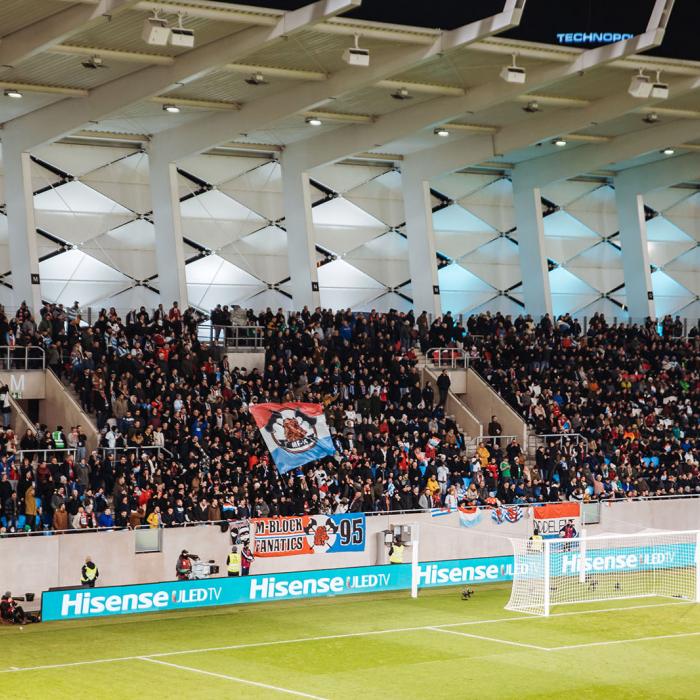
(604, 567)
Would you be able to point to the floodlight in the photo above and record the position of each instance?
(441, 131)
(15, 94)
(172, 109)
(313, 121)
(640, 86)
(513, 73)
(355, 55)
(156, 31)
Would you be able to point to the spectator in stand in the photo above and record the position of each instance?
(625, 400)
(443, 383)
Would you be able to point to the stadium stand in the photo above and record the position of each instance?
(179, 445)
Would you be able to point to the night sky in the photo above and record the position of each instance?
(542, 19)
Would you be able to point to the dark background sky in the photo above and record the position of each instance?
(542, 19)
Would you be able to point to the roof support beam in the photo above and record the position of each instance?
(24, 257)
(301, 238)
(563, 165)
(54, 29)
(210, 131)
(630, 187)
(456, 154)
(167, 222)
(635, 258)
(422, 260)
(533, 259)
(341, 144)
(57, 120)
(660, 174)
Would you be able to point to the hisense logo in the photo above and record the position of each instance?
(90, 603)
(571, 563)
(268, 587)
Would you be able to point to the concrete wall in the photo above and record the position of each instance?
(466, 420)
(20, 420)
(33, 564)
(484, 402)
(250, 359)
(29, 384)
(60, 408)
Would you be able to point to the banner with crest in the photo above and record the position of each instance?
(295, 433)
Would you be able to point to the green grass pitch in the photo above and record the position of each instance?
(369, 646)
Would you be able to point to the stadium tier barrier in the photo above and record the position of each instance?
(36, 563)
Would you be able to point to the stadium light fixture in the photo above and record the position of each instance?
(668, 151)
(402, 94)
(560, 142)
(513, 73)
(180, 35)
(659, 90)
(172, 109)
(14, 94)
(356, 55)
(313, 121)
(441, 131)
(156, 31)
(640, 86)
(256, 79)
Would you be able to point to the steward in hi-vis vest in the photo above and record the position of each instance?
(233, 562)
(89, 573)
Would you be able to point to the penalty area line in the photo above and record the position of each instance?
(346, 635)
(235, 679)
(611, 642)
(489, 639)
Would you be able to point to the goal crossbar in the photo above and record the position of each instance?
(561, 571)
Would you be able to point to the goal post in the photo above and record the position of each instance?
(604, 567)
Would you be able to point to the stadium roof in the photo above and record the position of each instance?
(85, 73)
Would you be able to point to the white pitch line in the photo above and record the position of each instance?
(235, 679)
(626, 641)
(299, 640)
(488, 639)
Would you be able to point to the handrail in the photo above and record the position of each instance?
(134, 448)
(546, 439)
(447, 358)
(502, 440)
(47, 453)
(233, 335)
(18, 357)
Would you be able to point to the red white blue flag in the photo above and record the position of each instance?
(295, 433)
(506, 514)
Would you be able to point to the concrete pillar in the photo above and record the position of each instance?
(533, 258)
(422, 261)
(301, 240)
(21, 226)
(635, 252)
(170, 249)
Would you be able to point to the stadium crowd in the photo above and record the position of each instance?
(181, 446)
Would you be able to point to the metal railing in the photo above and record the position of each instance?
(233, 336)
(501, 441)
(447, 358)
(550, 439)
(22, 357)
(45, 454)
(138, 449)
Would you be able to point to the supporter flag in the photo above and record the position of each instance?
(295, 433)
(445, 510)
(506, 514)
(550, 518)
(469, 516)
